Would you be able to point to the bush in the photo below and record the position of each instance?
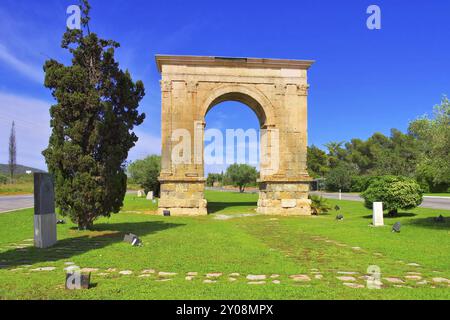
(241, 175)
(319, 205)
(340, 178)
(395, 193)
(360, 183)
(146, 172)
(3, 179)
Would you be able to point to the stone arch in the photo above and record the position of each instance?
(275, 89)
(250, 96)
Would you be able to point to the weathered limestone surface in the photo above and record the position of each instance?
(276, 90)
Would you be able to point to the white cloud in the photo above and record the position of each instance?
(28, 70)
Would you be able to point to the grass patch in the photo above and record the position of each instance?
(246, 245)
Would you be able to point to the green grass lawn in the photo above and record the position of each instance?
(438, 194)
(256, 244)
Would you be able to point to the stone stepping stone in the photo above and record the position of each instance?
(300, 277)
(254, 277)
(192, 274)
(440, 280)
(356, 248)
(422, 282)
(167, 274)
(353, 285)
(145, 275)
(209, 281)
(318, 276)
(256, 282)
(231, 279)
(414, 273)
(274, 276)
(111, 270)
(147, 271)
(346, 278)
(276, 281)
(89, 270)
(214, 275)
(125, 272)
(394, 280)
(189, 278)
(234, 274)
(413, 264)
(44, 269)
(413, 277)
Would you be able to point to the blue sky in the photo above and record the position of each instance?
(363, 80)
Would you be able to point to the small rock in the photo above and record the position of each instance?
(209, 281)
(253, 277)
(86, 270)
(318, 276)
(189, 278)
(413, 277)
(126, 272)
(346, 278)
(147, 271)
(441, 280)
(234, 274)
(413, 264)
(276, 281)
(394, 280)
(213, 275)
(353, 285)
(300, 277)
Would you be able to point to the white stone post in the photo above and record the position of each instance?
(377, 216)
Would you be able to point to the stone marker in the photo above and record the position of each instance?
(141, 193)
(132, 238)
(377, 216)
(44, 211)
(150, 195)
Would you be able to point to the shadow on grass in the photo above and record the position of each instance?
(102, 235)
(398, 215)
(214, 207)
(431, 223)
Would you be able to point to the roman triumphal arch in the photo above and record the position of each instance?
(276, 90)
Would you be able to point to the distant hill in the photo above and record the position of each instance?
(4, 168)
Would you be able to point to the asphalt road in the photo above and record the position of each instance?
(10, 203)
(428, 201)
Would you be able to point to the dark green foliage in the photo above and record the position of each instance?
(319, 205)
(395, 192)
(317, 162)
(340, 177)
(241, 175)
(145, 172)
(92, 123)
(360, 183)
(3, 179)
(213, 178)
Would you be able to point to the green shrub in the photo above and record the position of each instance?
(3, 179)
(340, 178)
(395, 192)
(145, 173)
(360, 183)
(319, 205)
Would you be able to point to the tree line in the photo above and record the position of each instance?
(422, 153)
